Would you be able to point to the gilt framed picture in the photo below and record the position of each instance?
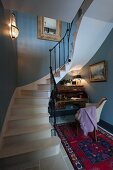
(98, 72)
(49, 29)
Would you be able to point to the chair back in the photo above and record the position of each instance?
(99, 107)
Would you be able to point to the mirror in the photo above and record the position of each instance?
(49, 29)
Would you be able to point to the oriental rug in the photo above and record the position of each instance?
(83, 151)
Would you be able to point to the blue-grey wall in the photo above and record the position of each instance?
(33, 53)
(8, 63)
(96, 90)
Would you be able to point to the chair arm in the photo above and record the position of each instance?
(91, 104)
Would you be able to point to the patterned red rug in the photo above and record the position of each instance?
(83, 151)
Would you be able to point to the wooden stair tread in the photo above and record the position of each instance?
(29, 146)
(21, 116)
(29, 101)
(44, 90)
(31, 97)
(26, 130)
(43, 84)
(27, 106)
(37, 91)
(18, 102)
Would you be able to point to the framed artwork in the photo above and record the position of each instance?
(49, 29)
(98, 72)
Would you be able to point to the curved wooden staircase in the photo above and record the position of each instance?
(27, 140)
(28, 132)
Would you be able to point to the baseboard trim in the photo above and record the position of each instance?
(7, 117)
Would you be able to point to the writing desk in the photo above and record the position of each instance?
(80, 102)
(71, 95)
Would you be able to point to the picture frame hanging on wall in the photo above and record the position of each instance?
(98, 72)
(49, 29)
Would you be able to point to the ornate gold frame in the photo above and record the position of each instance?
(98, 72)
(42, 35)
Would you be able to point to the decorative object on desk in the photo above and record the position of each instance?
(49, 29)
(98, 72)
(69, 82)
(83, 151)
(14, 29)
(77, 78)
(65, 82)
(62, 82)
(74, 82)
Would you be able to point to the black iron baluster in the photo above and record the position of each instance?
(50, 57)
(68, 43)
(64, 50)
(59, 55)
(55, 58)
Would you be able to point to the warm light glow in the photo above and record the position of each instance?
(76, 67)
(14, 29)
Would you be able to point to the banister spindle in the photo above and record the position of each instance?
(64, 50)
(59, 55)
(55, 58)
(50, 57)
(68, 43)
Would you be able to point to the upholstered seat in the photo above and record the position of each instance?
(99, 106)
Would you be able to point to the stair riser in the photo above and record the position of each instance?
(27, 130)
(32, 101)
(30, 110)
(44, 87)
(27, 123)
(57, 74)
(27, 137)
(27, 116)
(48, 81)
(35, 94)
(30, 159)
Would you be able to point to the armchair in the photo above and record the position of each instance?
(99, 106)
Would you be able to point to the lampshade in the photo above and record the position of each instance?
(78, 76)
(14, 29)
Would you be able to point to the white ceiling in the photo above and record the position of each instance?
(101, 10)
(64, 10)
(95, 26)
